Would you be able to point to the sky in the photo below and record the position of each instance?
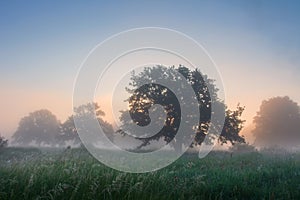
(255, 44)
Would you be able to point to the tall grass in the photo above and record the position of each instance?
(74, 174)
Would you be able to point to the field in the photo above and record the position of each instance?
(74, 174)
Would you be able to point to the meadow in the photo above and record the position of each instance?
(29, 173)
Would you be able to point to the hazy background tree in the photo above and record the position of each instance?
(3, 142)
(68, 130)
(68, 133)
(40, 127)
(277, 123)
(142, 98)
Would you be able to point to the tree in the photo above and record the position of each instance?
(40, 127)
(68, 130)
(3, 142)
(232, 126)
(277, 123)
(144, 97)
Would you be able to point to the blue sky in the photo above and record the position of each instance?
(256, 45)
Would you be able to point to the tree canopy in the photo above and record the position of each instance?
(142, 98)
(68, 130)
(277, 123)
(40, 127)
(3, 142)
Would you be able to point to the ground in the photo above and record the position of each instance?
(74, 174)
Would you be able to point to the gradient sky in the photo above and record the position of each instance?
(256, 45)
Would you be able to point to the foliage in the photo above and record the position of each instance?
(232, 126)
(277, 123)
(3, 142)
(75, 174)
(68, 130)
(144, 97)
(40, 127)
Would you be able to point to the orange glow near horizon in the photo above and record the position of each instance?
(17, 103)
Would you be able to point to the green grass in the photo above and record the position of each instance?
(74, 174)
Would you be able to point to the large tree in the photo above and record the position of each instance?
(68, 130)
(277, 123)
(40, 127)
(144, 96)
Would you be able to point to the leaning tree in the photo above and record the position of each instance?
(144, 96)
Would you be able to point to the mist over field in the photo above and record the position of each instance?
(150, 100)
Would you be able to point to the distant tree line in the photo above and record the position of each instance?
(42, 128)
(277, 122)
